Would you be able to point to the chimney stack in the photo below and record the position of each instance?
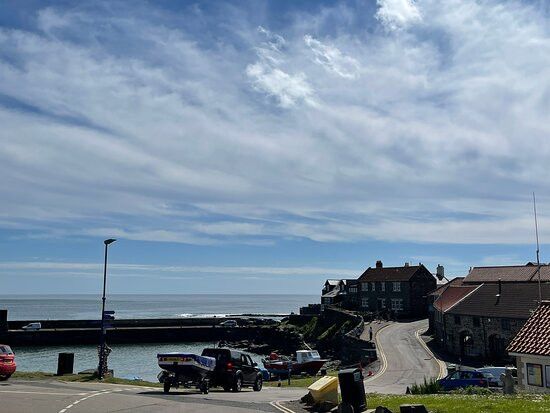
(379, 264)
(406, 264)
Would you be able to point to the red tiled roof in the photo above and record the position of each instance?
(534, 336)
(516, 300)
(452, 295)
(389, 273)
(516, 273)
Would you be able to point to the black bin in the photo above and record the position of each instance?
(65, 363)
(352, 389)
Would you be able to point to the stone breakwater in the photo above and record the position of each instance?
(256, 333)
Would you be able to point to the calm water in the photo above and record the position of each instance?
(88, 306)
(129, 360)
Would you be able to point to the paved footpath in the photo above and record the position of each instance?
(404, 359)
(44, 396)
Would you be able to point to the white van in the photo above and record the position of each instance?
(32, 326)
(498, 371)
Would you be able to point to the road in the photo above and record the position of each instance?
(404, 359)
(45, 396)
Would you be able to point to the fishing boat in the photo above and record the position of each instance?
(186, 369)
(306, 361)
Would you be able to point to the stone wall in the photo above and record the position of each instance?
(489, 336)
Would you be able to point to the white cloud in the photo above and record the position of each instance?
(267, 76)
(398, 14)
(154, 132)
(332, 59)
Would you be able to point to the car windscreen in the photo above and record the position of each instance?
(219, 355)
(5, 349)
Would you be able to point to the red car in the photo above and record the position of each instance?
(7, 362)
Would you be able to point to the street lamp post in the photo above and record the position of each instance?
(102, 361)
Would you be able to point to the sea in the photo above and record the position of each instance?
(134, 360)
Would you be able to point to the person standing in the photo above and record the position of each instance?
(370, 333)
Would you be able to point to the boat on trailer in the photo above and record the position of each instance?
(306, 361)
(185, 369)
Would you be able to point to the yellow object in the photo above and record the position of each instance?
(325, 389)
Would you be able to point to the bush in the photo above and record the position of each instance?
(475, 390)
(428, 387)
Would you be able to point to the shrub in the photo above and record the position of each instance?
(484, 391)
(428, 387)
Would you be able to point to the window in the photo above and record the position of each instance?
(365, 303)
(505, 323)
(397, 286)
(383, 286)
(547, 368)
(381, 303)
(476, 321)
(364, 286)
(457, 319)
(353, 289)
(534, 374)
(397, 304)
(326, 300)
(373, 286)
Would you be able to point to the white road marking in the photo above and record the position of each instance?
(43, 393)
(278, 406)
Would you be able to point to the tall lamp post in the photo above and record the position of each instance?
(102, 355)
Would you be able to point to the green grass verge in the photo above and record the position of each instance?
(90, 378)
(453, 403)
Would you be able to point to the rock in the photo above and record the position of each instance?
(413, 408)
(308, 399)
(326, 406)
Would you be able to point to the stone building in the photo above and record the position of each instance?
(477, 317)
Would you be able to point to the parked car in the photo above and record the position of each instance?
(32, 326)
(497, 372)
(234, 370)
(7, 362)
(229, 323)
(465, 378)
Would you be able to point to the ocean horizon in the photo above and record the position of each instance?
(128, 306)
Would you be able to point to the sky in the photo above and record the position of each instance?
(265, 146)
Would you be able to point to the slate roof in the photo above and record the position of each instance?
(389, 273)
(514, 273)
(517, 300)
(534, 336)
(452, 295)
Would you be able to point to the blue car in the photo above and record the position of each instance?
(464, 378)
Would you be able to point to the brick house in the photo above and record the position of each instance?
(531, 347)
(399, 290)
(477, 317)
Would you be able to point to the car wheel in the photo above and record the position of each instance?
(238, 384)
(166, 387)
(258, 384)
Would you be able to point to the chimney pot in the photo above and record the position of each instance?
(379, 264)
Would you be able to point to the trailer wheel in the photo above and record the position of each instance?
(166, 386)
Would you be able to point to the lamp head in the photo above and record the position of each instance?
(109, 241)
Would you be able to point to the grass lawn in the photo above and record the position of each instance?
(453, 403)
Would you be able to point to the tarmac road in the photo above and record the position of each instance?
(51, 396)
(404, 359)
